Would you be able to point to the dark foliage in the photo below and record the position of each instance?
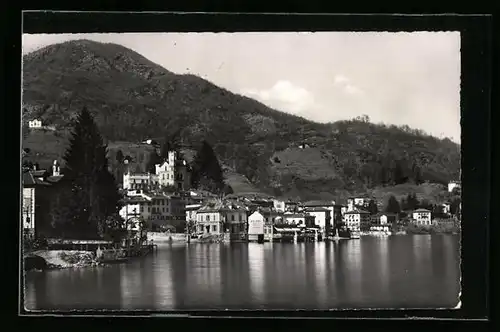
(393, 205)
(372, 207)
(90, 194)
(206, 170)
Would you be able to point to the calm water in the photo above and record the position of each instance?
(420, 271)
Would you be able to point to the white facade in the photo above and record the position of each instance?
(35, 123)
(28, 209)
(209, 222)
(452, 185)
(139, 181)
(279, 205)
(383, 219)
(173, 172)
(354, 219)
(255, 224)
(353, 203)
(191, 211)
(422, 217)
(319, 218)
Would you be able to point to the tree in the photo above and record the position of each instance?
(411, 202)
(171, 143)
(91, 194)
(153, 160)
(119, 156)
(393, 205)
(417, 174)
(372, 207)
(207, 173)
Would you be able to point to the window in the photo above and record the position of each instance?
(232, 217)
(241, 217)
(142, 208)
(208, 217)
(214, 228)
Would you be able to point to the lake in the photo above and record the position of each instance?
(412, 271)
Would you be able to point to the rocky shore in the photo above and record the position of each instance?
(59, 259)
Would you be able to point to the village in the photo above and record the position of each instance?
(161, 206)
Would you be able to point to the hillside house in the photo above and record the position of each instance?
(173, 172)
(422, 217)
(140, 181)
(256, 227)
(355, 219)
(384, 218)
(279, 205)
(452, 185)
(354, 203)
(35, 124)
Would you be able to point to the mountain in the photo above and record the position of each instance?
(134, 99)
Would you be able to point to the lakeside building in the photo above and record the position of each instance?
(298, 219)
(354, 219)
(158, 210)
(256, 227)
(219, 217)
(292, 206)
(422, 217)
(322, 217)
(39, 187)
(279, 205)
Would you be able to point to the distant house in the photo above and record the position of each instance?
(422, 217)
(173, 172)
(299, 219)
(384, 218)
(35, 124)
(279, 205)
(317, 208)
(256, 227)
(139, 181)
(354, 203)
(354, 219)
(452, 185)
(218, 217)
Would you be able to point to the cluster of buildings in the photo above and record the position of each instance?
(164, 201)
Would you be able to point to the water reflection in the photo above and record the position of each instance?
(256, 259)
(399, 271)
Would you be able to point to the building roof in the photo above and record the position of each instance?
(316, 209)
(221, 206)
(30, 181)
(319, 203)
(421, 210)
(357, 211)
(296, 215)
(55, 179)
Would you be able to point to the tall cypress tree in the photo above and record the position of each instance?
(207, 173)
(93, 194)
(393, 205)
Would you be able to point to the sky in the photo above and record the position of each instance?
(403, 78)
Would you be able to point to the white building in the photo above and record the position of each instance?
(35, 124)
(191, 211)
(157, 210)
(298, 219)
(256, 227)
(139, 181)
(219, 217)
(321, 215)
(422, 217)
(355, 218)
(173, 172)
(453, 184)
(279, 205)
(354, 203)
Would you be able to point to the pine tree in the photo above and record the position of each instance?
(393, 205)
(372, 207)
(153, 160)
(119, 156)
(207, 173)
(91, 194)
